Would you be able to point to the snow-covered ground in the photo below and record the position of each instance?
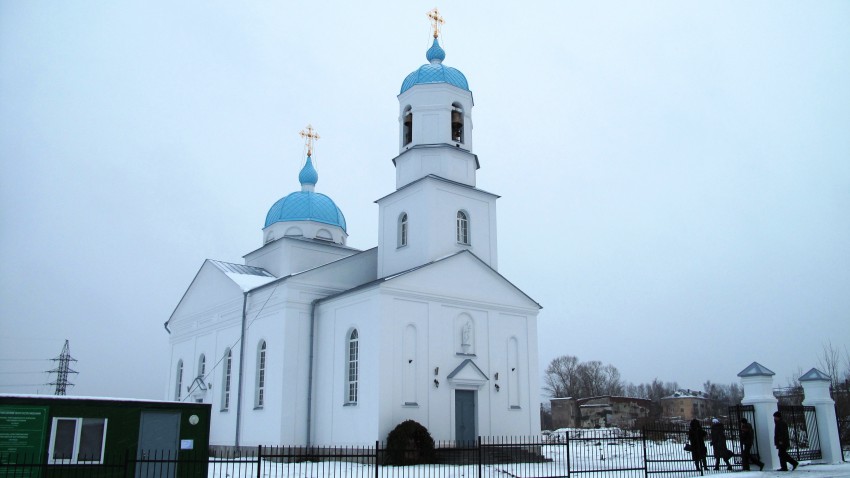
(596, 453)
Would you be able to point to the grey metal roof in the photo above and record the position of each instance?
(756, 369)
(240, 269)
(422, 266)
(815, 375)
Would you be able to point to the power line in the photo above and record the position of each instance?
(63, 369)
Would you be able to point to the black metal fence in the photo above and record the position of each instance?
(802, 431)
(614, 453)
(844, 437)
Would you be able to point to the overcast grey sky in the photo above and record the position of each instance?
(675, 176)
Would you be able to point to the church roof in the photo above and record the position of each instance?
(435, 72)
(423, 266)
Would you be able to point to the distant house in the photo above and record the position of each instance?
(611, 411)
(602, 411)
(564, 413)
(685, 405)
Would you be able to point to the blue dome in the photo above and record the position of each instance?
(435, 72)
(306, 206)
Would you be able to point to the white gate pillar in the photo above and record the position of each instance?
(816, 389)
(757, 381)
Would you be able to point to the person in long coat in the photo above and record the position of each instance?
(718, 443)
(782, 442)
(696, 437)
(747, 439)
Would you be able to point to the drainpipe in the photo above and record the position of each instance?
(310, 371)
(241, 368)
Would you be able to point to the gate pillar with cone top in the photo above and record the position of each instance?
(816, 390)
(757, 381)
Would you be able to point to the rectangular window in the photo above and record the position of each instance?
(77, 440)
(225, 389)
(353, 359)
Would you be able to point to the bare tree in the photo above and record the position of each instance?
(829, 361)
(560, 379)
(592, 378)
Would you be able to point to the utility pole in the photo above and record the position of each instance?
(62, 370)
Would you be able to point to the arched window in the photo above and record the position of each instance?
(407, 127)
(179, 384)
(402, 230)
(260, 391)
(353, 357)
(457, 123)
(462, 228)
(202, 365)
(225, 379)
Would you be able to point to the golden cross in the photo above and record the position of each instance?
(310, 135)
(436, 21)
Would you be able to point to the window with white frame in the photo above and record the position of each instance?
(260, 391)
(402, 230)
(225, 380)
(179, 380)
(353, 357)
(77, 440)
(202, 365)
(462, 228)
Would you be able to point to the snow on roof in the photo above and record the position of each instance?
(246, 277)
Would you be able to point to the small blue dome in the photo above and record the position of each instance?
(306, 206)
(436, 52)
(435, 72)
(308, 174)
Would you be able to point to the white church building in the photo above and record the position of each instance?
(312, 342)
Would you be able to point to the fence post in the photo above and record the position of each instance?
(259, 461)
(480, 464)
(377, 457)
(643, 440)
(567, 441)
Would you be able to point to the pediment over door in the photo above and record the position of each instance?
(467, 374)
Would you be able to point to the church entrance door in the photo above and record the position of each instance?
(159, 435)
(465, 415)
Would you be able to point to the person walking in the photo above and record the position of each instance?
(747, 439)
(696, 436)
(782, 442)
(718, 444)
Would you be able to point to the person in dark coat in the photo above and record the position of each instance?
(747, 438)
(718, 443)
(696, 436)
(782, 442)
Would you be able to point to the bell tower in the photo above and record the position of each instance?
(436, 209)
(435, 120)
